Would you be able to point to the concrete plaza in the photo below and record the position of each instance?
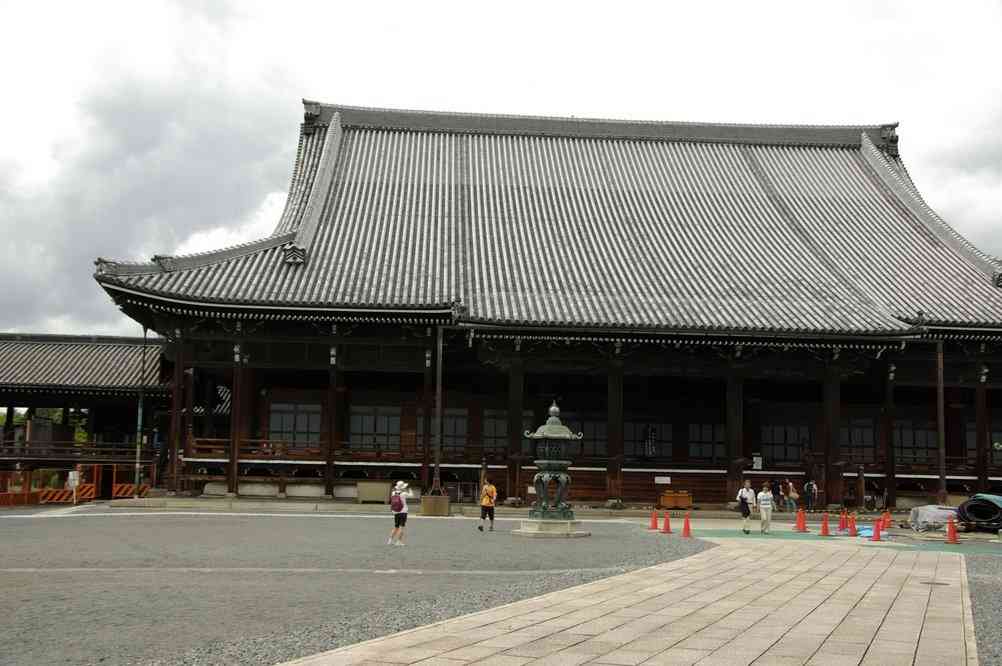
(744, 602)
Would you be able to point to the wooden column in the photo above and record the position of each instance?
(189, 410)
(427, 404)
(516, 396)
(887, 438)
(734, 430)
(614, 431)
(982, 434)
(832, 408)
(236, 421)
(8, 424)
(940, 424)
(208, 427)
(177, 387)
(331, 442)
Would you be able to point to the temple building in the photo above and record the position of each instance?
(705, 302)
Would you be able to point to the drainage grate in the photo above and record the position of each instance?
(932, 582)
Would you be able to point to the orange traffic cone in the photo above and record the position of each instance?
(666, 528)
(876, 530)
(654, 521)
(801, 525)
(824, 525)
(843, 522)
(686, 528)
(852, 525)
(951, 531)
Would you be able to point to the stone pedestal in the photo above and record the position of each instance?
(435, 505)
(551, 529)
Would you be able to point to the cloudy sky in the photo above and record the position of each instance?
(136, 128)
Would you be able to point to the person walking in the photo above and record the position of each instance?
(765, 508)
(746, 502)
(791, 496)
(777, 494)
(810, 491)
(398, 505)
(488, 497)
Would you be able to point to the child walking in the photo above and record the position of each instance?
(488, 497)
(765, 508)
(398, 505)
(746, 500)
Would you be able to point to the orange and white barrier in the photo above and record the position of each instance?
(123, 490)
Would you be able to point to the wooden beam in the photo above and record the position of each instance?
(734, 429)
(516, 396)
(832, 408)
(331, 443)
(982, 434)
(614, 430)
(236, 425)
(940, 424)
(887, 437)
(177, 386)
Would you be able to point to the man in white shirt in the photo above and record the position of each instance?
(746, 502)
(765, 507)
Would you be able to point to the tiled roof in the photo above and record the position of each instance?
(597, 224)
(78, 363)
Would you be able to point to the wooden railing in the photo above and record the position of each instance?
(72, 452)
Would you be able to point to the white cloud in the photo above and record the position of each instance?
(141, 128)
(258, 225)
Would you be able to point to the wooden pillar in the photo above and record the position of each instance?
(8, 424)
(236, 421)
(427, 395)
(832, 408)
(516, 396)
(189, 410)
(734, 430)
(940, 424)
(887, 438)
(331, 442)
(209, 406)
(177, 385)
(982, 434)
(614, 431)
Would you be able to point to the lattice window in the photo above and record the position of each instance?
(707, 441)
(857, 440)
(971, 442)
(374, 428)
(297, 424)
(644, 439)
(785, 443)
(595, 433)
(915, 441)
(455, 424)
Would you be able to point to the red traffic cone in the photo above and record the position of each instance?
(686, 528)
(951, 531)
(666, 528)
(801, 525)
(654, 521)
(843, 522)
(852, 525)
(824, 525)
(876, 530)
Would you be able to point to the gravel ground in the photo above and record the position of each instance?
(202, 589)
(984, 573)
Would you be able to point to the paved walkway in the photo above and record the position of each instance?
(745, 602)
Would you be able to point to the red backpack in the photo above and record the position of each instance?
(396, 503)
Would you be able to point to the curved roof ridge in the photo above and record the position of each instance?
(900, 183)
(162, 263)
(485, 123)
(62, 338)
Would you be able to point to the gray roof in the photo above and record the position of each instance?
(78, 364)
(596, 224)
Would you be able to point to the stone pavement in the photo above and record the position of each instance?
(748, 601)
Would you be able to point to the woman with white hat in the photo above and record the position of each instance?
(398, 505)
